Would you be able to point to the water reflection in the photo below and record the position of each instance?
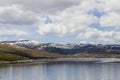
(62, 71)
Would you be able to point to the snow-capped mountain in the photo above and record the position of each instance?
(22, 43)
(66, 48)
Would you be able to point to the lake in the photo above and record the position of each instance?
(61, 71)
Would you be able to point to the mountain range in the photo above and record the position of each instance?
(66, 49)
(27, 49)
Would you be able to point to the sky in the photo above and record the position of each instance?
(61, 21)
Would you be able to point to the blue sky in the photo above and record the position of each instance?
(61, 21)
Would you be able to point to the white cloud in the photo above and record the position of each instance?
(106, 36)
(76, 20)
(15, 15)
(110, 36)
(109, 5)
(71, 20)
(12, 32)
(111, 10)
(110, 20)
(68, 17)
(21, 12)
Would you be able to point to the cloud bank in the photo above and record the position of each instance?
(87, 20)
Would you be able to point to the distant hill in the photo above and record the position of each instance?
(11, 53)
(26, 49)
(66, 49)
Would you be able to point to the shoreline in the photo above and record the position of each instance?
(68, 60)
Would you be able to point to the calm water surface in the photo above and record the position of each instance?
(61, 71)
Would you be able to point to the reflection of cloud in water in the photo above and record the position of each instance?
(62, 71)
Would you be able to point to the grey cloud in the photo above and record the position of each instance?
(24, 12)
(41, 5)
(16, 16)
(68, 17)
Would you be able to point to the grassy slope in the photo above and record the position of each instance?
(13, 53)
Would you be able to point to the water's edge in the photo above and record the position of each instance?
(81, 60)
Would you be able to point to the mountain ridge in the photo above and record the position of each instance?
(27, 50)
(66, 48)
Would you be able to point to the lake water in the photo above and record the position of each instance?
(61, 71)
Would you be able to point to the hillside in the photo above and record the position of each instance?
(26, 50)
(66, 49)
(11, 53)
